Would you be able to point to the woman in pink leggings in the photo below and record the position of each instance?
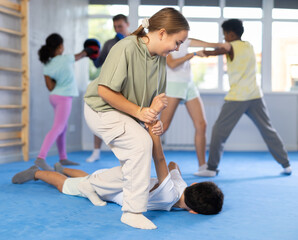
(59, 77)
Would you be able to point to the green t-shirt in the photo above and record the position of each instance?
(131, 70)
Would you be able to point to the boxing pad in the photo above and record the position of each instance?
(92, 48)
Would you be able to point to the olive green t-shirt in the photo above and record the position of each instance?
(131, 70)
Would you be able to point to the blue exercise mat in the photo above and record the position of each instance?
(259, 204)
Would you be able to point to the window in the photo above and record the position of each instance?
(100, 26)
(110, 10)
(278, 13)
(204, 70)
(242, 13)
(149, 10)
(201, 12)
(284, 56)
(284, 48)
(205, 18)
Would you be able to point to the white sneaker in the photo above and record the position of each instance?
(287, 171)
(201, 168)
(206, 173)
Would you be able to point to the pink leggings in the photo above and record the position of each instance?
(62, 109)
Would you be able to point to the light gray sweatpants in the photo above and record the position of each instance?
(230, 114)
(132, 145)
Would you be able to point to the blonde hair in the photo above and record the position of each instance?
(168, 18)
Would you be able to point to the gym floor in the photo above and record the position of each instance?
(259, 204)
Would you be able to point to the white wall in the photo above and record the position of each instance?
(71, 22)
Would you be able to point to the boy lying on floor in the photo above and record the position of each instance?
(167, 191)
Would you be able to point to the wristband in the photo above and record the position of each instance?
(195, 54)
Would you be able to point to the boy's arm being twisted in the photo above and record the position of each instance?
(158, 104)
(158, 156)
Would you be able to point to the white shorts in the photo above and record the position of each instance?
(183, 90)
(70, 186)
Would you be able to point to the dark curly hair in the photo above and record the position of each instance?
(204, 198)
(233, 25)
(47, 51)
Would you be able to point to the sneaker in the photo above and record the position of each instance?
(287, 171)
(206, 173)
(201, 168)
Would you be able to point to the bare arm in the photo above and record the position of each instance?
(158, 156)
(175, 62)
(80, 55)
(50, 83)
(220, 51)
(118, 101)
(199, 43)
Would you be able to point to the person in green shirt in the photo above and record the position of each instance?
(128, 94)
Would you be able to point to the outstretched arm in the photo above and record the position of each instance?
(225, 49)
(199, 43)
(80, 55)
(175, 62)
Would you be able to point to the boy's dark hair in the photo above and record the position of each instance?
(120, 17)
(233, 25)
(204, 198)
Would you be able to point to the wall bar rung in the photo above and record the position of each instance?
(12, 125)
(11, 88)
(10, 5)
(11, 144)
(11, 107)
(10, 135)
(9, 12)
(10, 50)
(13, 32)
(11, 69)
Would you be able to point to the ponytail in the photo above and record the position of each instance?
(44, 54)
(47, 51)
(140, 32)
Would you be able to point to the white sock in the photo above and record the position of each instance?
(86, 189)
(94, 156)
(287, 171)
(137, 220)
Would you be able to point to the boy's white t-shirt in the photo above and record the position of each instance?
(181, 73)
(161, 198)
